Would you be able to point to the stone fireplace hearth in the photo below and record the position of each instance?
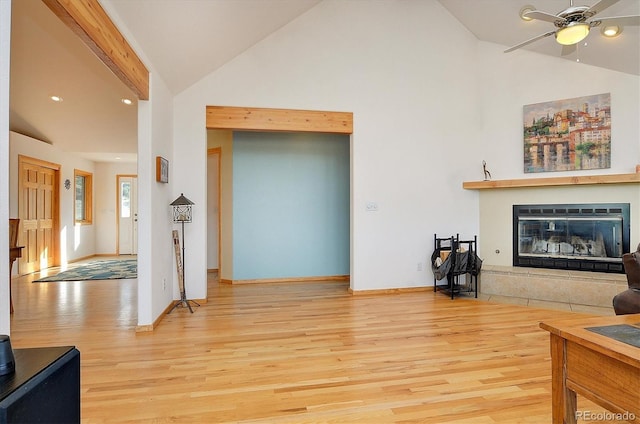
(551, 285)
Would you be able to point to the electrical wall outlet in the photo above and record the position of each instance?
(164, 284)
(371, 206)
(419, 266)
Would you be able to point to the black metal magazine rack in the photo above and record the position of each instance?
(452, 259)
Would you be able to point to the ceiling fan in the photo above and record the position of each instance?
(573, 23)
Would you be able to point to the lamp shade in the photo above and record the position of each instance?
(572, 33)
(182, 209)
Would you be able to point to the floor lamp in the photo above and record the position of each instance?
(181, 214)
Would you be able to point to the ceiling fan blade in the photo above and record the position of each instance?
(544, 16)
(620, 20)
(568, 50)
(517, 46)
(599, 7)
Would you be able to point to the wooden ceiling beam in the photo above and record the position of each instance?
(90, 22)
(263, 119)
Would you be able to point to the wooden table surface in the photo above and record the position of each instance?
(598, 367)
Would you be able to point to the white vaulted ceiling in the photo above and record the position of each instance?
(498, 21)
(188, 39)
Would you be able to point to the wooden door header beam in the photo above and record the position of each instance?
(262, 119)
(88, 20)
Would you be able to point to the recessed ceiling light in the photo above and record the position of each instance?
(118, 158)
(526, 9)
(611, 31)
(57, 99)
(126, 101)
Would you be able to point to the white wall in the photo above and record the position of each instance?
(76, 241)
(510, 81)
(5, 55)
(415, 110)
(157, 281)
(163, 283)
(106, 195)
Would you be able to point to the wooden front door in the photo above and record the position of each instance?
(38, 212)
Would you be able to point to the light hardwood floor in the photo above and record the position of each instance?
(296, 353)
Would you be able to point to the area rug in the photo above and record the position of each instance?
(97, 270)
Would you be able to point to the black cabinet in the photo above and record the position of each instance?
(45, 387)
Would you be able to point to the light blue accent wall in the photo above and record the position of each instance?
(290, 205)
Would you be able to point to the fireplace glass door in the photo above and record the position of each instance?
(567, 237)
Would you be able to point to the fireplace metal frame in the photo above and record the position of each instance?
(577, 263)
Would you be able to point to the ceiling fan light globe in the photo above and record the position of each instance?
(572, 33)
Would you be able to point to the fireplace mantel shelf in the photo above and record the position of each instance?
(554, 181)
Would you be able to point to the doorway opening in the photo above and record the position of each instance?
(229, 119)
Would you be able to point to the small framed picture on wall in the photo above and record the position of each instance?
(162, 169)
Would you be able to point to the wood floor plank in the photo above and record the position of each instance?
(296, 353)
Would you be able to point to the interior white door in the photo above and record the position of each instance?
(127, 215)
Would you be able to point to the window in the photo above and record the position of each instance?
(125, 200)
(83, 199)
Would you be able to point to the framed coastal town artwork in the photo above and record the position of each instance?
(568, 135)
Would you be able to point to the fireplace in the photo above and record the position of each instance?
(584, 237)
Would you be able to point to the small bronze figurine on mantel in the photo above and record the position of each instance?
(487, 174)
